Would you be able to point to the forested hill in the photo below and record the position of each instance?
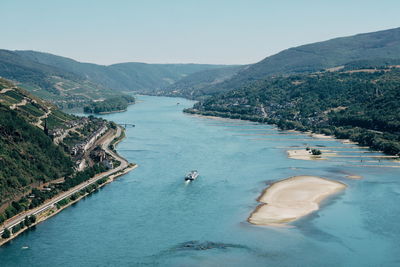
(362, 105)
(62, 87)
(131, 76)
(27, 155)
(318, 56)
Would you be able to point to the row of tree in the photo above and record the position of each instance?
(27, 222)
(37, 197)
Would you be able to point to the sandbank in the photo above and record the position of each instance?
(303, 154)
(355, 177)
(292, 198)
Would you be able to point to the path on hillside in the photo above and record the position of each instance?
(22, 103)
(5, 90)
(41, 118)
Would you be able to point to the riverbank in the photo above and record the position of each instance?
(345, 139)
(111, 112)
(52, 207)
(47, 214)
(290, 199)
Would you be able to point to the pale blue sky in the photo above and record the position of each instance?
(183, 31)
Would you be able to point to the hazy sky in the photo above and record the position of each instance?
(174, 31)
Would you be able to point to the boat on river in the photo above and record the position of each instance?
(191, 175)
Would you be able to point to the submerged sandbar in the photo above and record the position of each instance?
(292, 198)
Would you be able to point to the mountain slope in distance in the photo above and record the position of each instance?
(321, 55)
(59, 86)
(130, 76)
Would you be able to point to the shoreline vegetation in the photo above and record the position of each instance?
(292, 198)
(295, 154)
(55, 205)
(360, 106)
(110, 112)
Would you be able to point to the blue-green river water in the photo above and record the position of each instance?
(143, 217)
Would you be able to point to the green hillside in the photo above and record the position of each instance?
(27, 155)
(61, 87)
(31, 108)
(23, 70)
(318, 56)
(361, 105)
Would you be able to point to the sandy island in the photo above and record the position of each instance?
(292, 198)
(305, 154)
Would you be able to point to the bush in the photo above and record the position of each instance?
(6, 234)
(316, 152)
(16, 229)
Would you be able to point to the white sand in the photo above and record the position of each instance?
(322, 136)
(303, 154)
(355, 177)
(292, 198)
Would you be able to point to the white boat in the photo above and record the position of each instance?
(191, 175)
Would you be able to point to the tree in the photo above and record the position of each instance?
(316, 152)
(6, 234)
(32, 219)
(16, 229)
(27, 222)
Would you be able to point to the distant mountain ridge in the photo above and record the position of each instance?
(131, 76)
(195, 85)
(69, 83)
(57, 85)
(318, 56)
(63, 80)
(16, 67)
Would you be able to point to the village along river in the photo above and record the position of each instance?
(151, 217)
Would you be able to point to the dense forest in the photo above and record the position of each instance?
(27, 155)
(118, 103)
(362, 106)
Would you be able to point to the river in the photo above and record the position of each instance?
(147, 216)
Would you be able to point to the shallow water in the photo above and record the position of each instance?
(146, 216)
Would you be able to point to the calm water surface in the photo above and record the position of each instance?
(144, 216)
